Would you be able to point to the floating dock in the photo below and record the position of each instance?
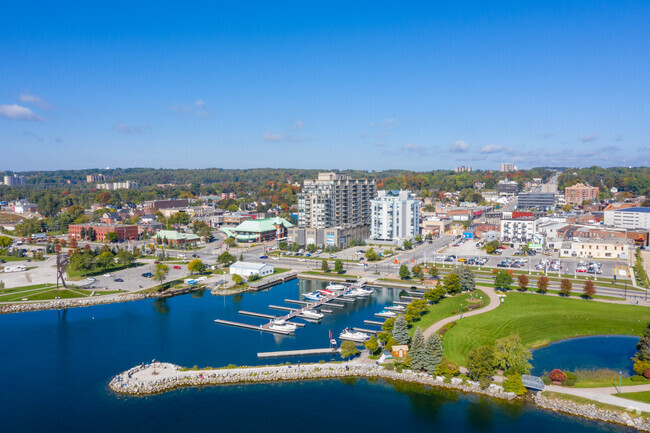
(253, 327)
(368, 331)
(268, 316)
(306, 352)
(373, 322)
(273, 281)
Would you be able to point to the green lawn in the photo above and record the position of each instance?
(280, 270)
(80, 275)
(574, 293)
(643, 396)
(44, 292)
(445, 308)
(13, 258)
(331, 274)
(540, 320)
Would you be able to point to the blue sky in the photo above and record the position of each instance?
(367, 85)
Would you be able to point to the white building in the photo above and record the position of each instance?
(519, 230)
(395, 215)
(246, 269)
(629, 218)
(15, 180)
(118, 185)
(595, 250)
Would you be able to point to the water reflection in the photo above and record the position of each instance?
(161, 305)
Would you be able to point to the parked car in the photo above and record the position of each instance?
(176, 267)
(118, 280)
(147, 275)
(264, 257)
(108, 275)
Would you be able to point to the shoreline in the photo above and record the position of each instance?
(141, 381)
(60, 304)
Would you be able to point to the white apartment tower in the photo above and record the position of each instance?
(335, 200)
(395, 215)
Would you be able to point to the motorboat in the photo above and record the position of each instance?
(366, 290)
(282, 325)
(313, 296)
(356, 293)
(312, 314)
(326, 292)
(337, 287)
(396, 308)
(349, 334)
(386, 313)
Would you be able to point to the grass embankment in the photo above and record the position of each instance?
(45, 292)
(15, 259)
(280, 270)
(445, 308)
(540, 320)
(582, 400)
(643, 396)
(576, 292)
(330, 274)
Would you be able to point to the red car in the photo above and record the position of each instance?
(177, 267)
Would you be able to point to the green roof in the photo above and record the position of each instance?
(173, 235)
(262, 225)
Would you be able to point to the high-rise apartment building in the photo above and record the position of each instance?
(508, 166)
(127, 184)
(335, 200)
(15, 180)
(580, 192)
(463, 169)
(395, 215)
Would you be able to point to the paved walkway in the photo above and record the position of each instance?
(605, 395)
(495, 301)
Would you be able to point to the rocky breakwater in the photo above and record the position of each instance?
(156, 378)
(60, 304)
(593, 412)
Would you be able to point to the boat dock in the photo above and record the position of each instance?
(373, 322)
(246, 326)
(273, 280)
(368, 331)
(268, 316)
(306, 352)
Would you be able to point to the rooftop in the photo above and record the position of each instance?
(249, 266)
(635, 209)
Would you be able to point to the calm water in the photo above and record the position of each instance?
(612, 352)
(55, 370)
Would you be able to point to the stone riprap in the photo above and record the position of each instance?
(592, 412)
(60, 304)
(142, 381)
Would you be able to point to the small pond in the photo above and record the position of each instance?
(613, 352)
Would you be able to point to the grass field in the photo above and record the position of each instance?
(43, 292)
(280, 270)
(331, 274)
(540, 320)
(445, 308)
(574, 293)
(643, 396)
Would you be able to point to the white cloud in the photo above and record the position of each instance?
(15, 111)
(390, 122)
(382, 134)
(415, 148)
(198, 109)
(492, 148)
(298, 124)
(589, 138)
(270, 136)
(459, 146)
(34, 100)
(200, 103)
(135, 129)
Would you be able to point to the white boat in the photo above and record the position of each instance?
(281, 325)
(368, 291)
(337, 287)
(313, 296)
(386, 313)
(312, 314)
(349, 334)
(356, 293)
(396, 308)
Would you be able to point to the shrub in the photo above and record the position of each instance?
(640, 367)
(446, 328)
(646, 373)
(546, 380)
(571, 379)
(448, 368)
(514, 384)
(638, 378)
(557, 376)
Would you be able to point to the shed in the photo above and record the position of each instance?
(400, 351)
(246, 269)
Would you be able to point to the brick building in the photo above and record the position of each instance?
(99, 232)
(580, 192)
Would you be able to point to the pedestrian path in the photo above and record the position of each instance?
(605, 395)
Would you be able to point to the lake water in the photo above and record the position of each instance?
(56, 367)
(613, 352)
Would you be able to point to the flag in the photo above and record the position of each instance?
(330, 334)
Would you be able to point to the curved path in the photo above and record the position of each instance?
(605, 395)
(495, 301)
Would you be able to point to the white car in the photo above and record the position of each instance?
(108, 275)
(302, 260)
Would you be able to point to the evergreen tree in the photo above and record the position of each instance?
(466, 277)
(417, 351)
(432, 353)
(400, 330)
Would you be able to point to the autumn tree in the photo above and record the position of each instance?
(589, 289)
(565, 287)
(522, 282)
(542, 284)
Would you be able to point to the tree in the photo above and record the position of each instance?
(5, 241)
(432, 353)
(371, 255)
(491, 246)
(433, 270)
(480, 362)
(160, 274)
(466, 278)
(348, 349)
(111, 237)
(400, 330)
(513, 383)
(237, 279)
(407, 244)
(418, 238)
(435, 295)
(418, 272)
(230, 242)
(372, 345)
(283, 245)
(417, 351)
(503, 280)
(338, 267)
(589, 290)
(49, 205)
(565, 287)
(124, 257)
(522, 282)
(195, 266)
(226, 258)
(73, 243)
(451, 283)
(404, 272)
(542, 284)
(233, 208)
(324, 266)
(511, 355)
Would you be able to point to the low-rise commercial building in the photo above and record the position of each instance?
(340, 237)
(507, 188)
(260, 230)
(629, 218)
(247, 269)
(172, 237)
(536, 200)
(99, 232)
(152, 205)
(595, 250)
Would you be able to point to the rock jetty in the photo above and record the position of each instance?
(156, 378)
